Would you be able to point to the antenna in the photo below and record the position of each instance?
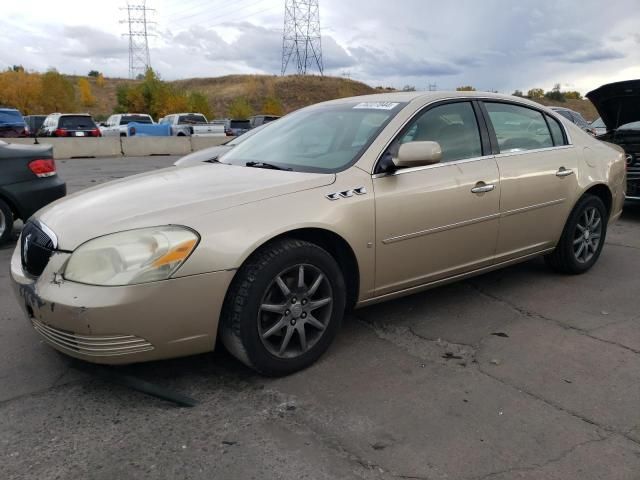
(136, 18)
(301, 40)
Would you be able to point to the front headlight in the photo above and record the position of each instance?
(132, 257)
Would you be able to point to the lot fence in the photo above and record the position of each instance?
(64, 148)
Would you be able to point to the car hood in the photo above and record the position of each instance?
(206, 155)
(617, 103)
(177, 196)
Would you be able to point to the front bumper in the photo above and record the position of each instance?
(119, 325)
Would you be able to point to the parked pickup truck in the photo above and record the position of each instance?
(192, 124)
(116, 125)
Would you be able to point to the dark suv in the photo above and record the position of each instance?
(619, 107)
(11, 123)
(69, 125)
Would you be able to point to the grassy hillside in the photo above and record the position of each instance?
(292, 92)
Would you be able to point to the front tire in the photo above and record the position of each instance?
(284, 307)
(582, 238)
(6, 222)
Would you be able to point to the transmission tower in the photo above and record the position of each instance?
(301, 41)
(136, 18)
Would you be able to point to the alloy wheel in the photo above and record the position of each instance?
(587, 235)
(295, 311)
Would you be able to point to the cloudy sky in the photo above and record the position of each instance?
(491, 44)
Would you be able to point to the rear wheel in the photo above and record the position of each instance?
(583, 237)
(284, 307)
(6, 222)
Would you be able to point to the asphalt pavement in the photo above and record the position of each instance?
(520, 373)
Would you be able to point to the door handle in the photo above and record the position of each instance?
(482, 187)
(563, 172)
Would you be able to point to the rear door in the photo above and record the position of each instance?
(538, 177)
(440, 220)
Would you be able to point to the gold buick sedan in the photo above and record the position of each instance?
(338, 205)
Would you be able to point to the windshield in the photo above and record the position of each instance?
(126, 119)
(10, 116)
(193, 119)
(243, 138)
(76, 122)
(323, 139)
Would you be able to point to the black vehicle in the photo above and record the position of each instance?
(258, 120)
(33, 122)
(236, 128)
(575, 117)
(69, 125)
(619, 107)
(11, 123)
(28, 182)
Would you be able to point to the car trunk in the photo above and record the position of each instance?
(76, 126)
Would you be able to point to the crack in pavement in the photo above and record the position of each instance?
(531, 314)
(540, 466)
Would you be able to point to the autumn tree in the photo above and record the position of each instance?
(58, 94)
(21, 90)
(555, 94)
(272, 106)
(240, 108)
(573, 95)
(535, 93)
(466, 88)
(198, 103)
(87, 98)
(100, 81)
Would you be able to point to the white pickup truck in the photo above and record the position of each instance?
(192, 124)
(116, 125)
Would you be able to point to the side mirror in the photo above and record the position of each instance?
(418, 154)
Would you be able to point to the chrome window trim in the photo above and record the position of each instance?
(428, 167)
(470, 99)
(536, 150)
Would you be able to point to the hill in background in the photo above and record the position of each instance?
(292, 92)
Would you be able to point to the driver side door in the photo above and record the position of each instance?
(441, 220)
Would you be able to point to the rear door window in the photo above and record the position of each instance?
(192, 119)
(556, 131)
(77, 122)
(518, 128)
(127, 119)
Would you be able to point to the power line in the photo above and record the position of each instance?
(215, 13)
(138, 33)
(302, 39)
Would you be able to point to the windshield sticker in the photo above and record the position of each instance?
(377, 105)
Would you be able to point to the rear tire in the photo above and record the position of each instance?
(582, 238)
(6, 222)
(284, 307)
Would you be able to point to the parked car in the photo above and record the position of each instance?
(258, 120)
(116, 125)
(28, 182)
(212, 154)
(338, 205)
(619, 107)
(192, 124)
(69, 125)
(576, 118)
(599, 127)
(11, 123)
(33, 124)
(235, 128)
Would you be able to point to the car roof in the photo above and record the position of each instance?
(429, 97)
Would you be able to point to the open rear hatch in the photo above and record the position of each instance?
(617, 103)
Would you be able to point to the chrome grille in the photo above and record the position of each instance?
(92, 345)
(633, 175)
(36, 248)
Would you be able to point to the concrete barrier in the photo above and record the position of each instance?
(143, 146)
(199, 143)
(77, 147)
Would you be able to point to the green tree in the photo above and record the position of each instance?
(535, 93)
(555, 94)
(573, 95)
(198, 103)
(240, 108)
(93, 73)
(518, 93)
